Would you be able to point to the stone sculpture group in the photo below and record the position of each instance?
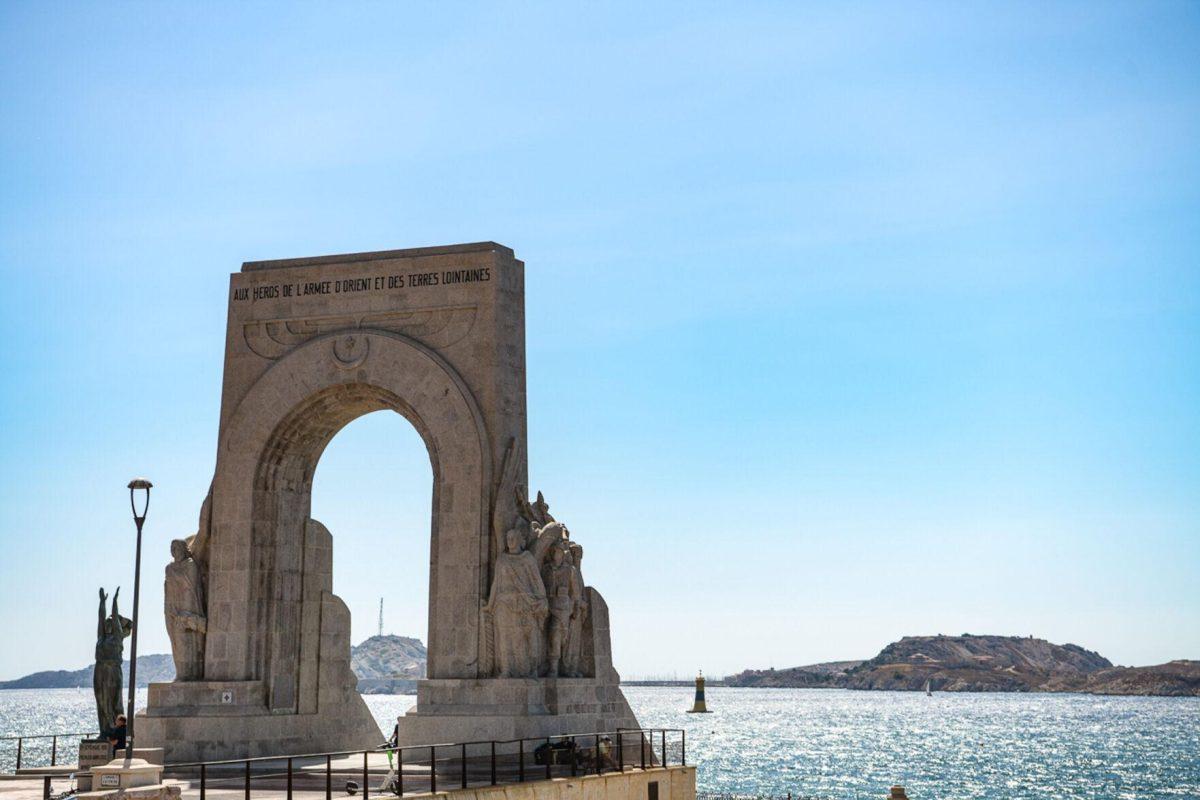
(537, 604)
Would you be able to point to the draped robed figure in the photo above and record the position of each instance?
(517, 605)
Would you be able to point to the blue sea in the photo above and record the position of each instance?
(830, 743)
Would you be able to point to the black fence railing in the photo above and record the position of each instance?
(766, 796)
(418, 769)
(42, 750)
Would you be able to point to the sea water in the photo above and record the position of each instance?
(853, 744)
(832, 743)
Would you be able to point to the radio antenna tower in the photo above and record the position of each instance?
(381, 616)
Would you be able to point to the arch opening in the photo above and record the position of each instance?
(373, 490)
(293, 551)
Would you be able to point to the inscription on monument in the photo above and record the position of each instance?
(370, 283)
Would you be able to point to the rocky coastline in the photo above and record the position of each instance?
(969, 663)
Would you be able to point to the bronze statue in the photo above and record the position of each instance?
(107, 678)
(517, 606)
(187, 624)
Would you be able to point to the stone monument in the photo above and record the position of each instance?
(260, 641)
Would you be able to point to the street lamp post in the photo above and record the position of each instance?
(135, 485)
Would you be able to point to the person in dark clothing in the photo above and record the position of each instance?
(117, 733)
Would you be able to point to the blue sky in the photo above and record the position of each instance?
(845, 322)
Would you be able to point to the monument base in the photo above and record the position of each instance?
(320, 712)
(126, 774)
(500, 709)
(212, 720)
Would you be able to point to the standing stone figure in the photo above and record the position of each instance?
(183, 596)
(517, 604)
(573, 659)
(557, 577)
(107, 678)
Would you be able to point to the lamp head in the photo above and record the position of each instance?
(144, 485)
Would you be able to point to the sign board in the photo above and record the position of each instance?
(110, 780)
(94, 753)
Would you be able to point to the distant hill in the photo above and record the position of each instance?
(154, 668)
(1174, 679)
(984, 664)
(830, 674)
(973, 664)
(383, 664)
(388, 664)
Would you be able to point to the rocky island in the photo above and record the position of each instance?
(970, 663)
(388, 664)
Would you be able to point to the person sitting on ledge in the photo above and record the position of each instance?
(116, 734)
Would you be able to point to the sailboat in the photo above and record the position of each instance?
(927, 692)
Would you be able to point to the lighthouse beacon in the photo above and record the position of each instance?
(699, 706)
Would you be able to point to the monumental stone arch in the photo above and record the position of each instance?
(262, 645)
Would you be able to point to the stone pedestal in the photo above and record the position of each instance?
(482, 709)
(126, 774)
(208, 720)
(459, 710)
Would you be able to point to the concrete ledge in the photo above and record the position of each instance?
(59, 770)
(671, 783)
(155, 791)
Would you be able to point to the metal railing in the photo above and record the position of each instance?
(424, 768)
(22, 756)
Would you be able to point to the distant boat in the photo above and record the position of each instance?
(927, 692)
